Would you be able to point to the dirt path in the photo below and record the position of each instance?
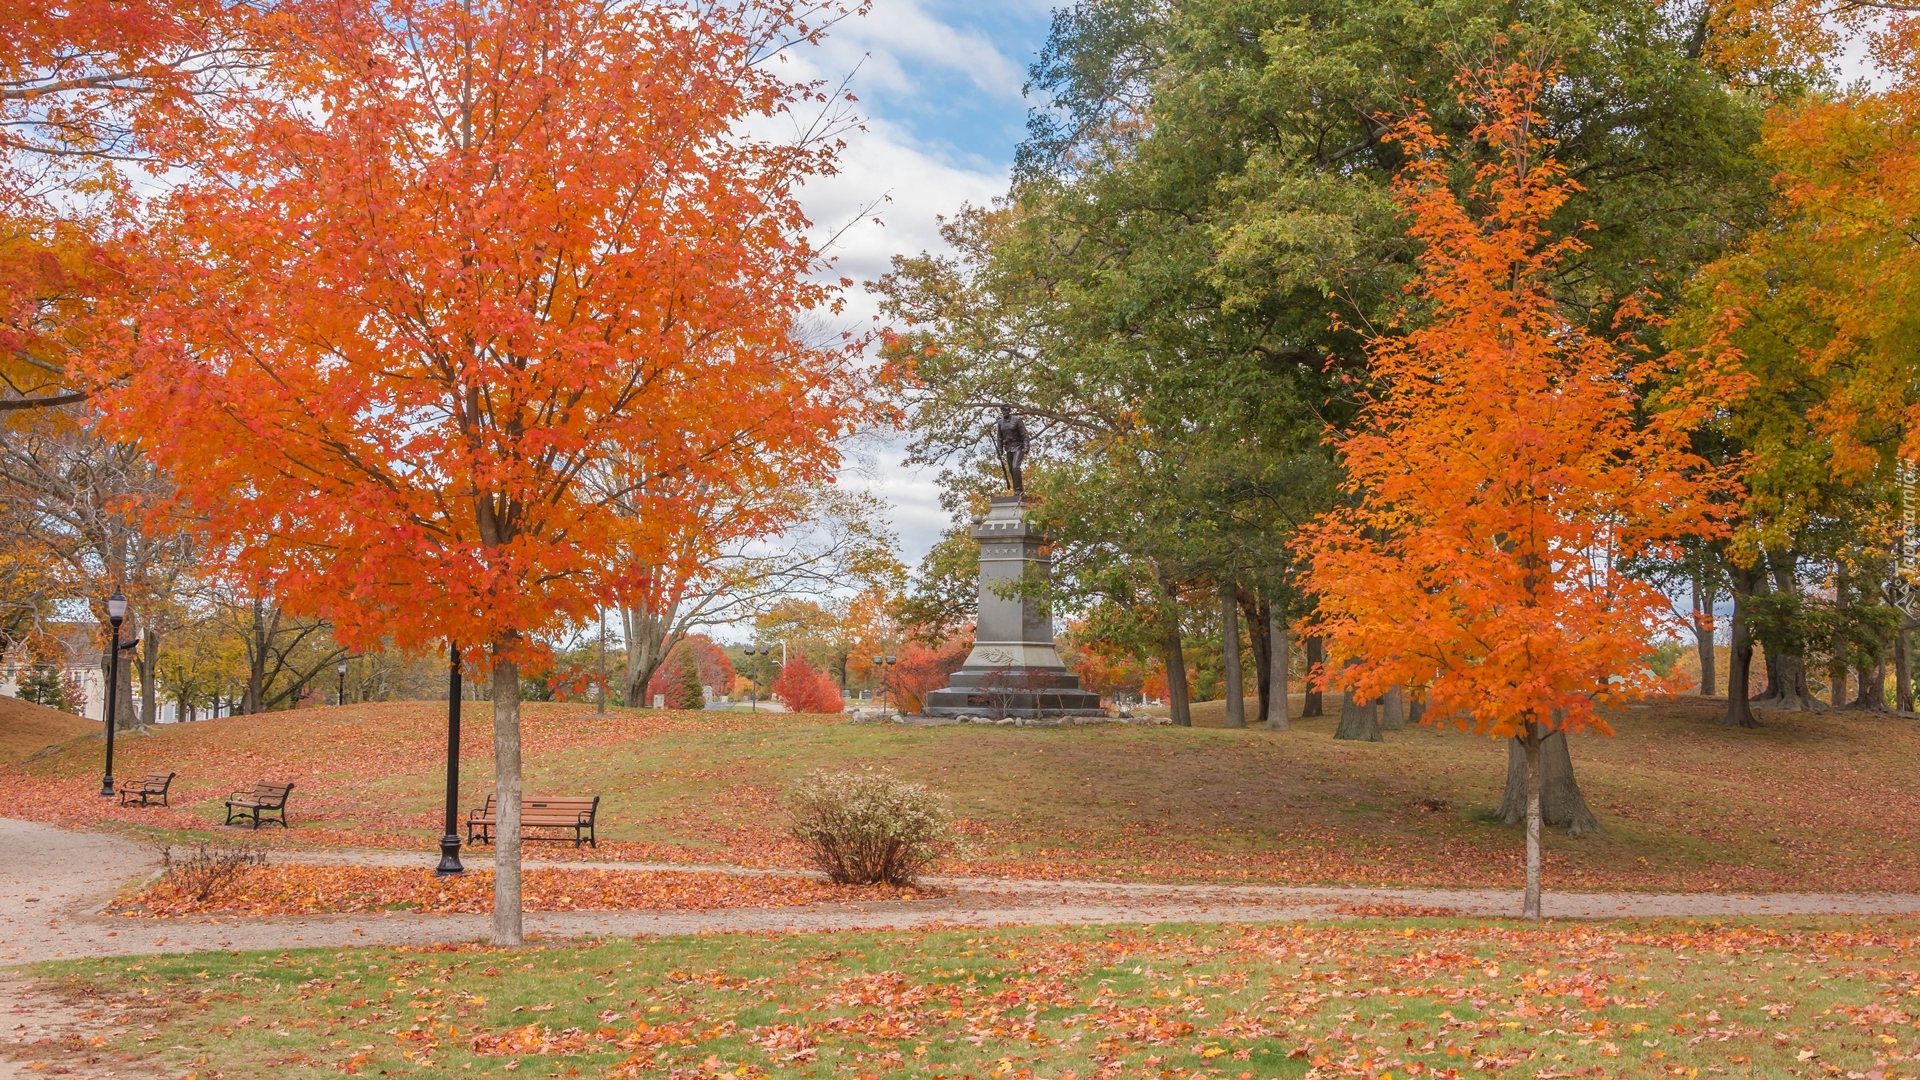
(53, 883)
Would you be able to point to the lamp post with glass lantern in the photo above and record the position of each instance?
(881, 664)
(116, 614)
(340, 698)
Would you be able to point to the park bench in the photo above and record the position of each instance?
(262, 798)
(567, 813)
(149, 787)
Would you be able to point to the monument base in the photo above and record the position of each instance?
(1026, 693)
(1014, 670)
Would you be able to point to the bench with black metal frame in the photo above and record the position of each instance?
(262, 799)
(576, 814)
(147, 788)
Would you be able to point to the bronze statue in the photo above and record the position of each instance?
(1010, 439)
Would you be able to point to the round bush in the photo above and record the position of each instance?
(868, 827)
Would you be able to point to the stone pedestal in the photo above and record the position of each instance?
(1014, 669)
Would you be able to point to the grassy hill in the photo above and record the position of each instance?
(1824, 801)
(27, 729)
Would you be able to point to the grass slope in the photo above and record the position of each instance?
(1810, 801)
(1410, 999)
(27, 729)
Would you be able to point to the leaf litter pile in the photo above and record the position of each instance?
(297, 889)
(1813, 998)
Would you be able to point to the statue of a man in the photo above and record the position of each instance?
(1010, 438)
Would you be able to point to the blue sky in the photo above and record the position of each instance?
(939, 88)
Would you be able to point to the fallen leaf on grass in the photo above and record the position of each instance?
(295, 889)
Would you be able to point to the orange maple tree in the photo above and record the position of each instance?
(447, 269)
(1499, 479)
(84, 86)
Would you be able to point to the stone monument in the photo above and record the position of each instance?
(1014, 669)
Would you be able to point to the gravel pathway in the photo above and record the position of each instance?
(53, 883)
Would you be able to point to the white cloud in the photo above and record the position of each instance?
(919, 186)
(920, 78)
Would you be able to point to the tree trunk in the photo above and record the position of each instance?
(1740, 656)
(123, 715)
(1902, 669)
(1393, 711)
(1872, 687)
(1279, 652)
(1787, 688)
(1416, 710)
(1313, 702)
(506, 789)
(1561, 804)
(1260, 648)
(1703, 636)
(1530, 905)
(1837, 647)
(649, 637)
(1176, 661)
(1359, 719)
(1230, 653)
(1174, 653)
(149, 677)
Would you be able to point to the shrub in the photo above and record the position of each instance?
(806, 689)
(200, 872)
(868, 827)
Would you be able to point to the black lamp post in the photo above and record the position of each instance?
(880, 664)
(340, 698)
(116, 614)
(450, 840)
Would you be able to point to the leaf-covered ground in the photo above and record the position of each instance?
(1429, 999)
(297, 889)
(1808, 802)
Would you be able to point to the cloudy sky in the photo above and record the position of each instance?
(938, 83)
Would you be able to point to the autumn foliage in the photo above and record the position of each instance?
(920, 670)
(806, 689)
(449, 280)
(387, 370)
(670, 680)
(1500, 479)
(301, 889)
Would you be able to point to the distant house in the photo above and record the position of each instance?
(81, 646)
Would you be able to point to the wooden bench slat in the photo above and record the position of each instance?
(265, 797)
(575, 812)
(149, 787)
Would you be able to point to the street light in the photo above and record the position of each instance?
(341, 697)
(116, 614)
(450, 840)
(880, 664)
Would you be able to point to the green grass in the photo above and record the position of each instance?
(1804, 998)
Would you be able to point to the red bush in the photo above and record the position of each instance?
(805, 688)
(920, 671)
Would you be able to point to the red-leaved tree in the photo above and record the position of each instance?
(445, 261)
(806, 689)
(1500, 478)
